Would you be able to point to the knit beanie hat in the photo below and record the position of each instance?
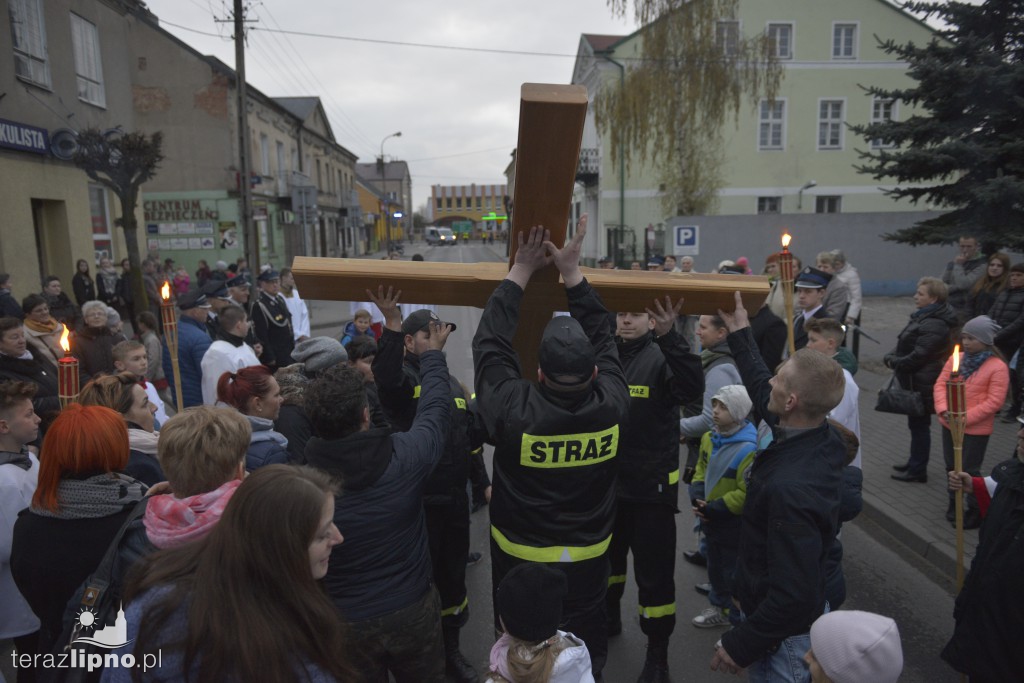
(530, 601)
(982, 328)
(854, 647)
(735, 399)
(319, 353)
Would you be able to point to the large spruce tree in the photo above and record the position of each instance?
(962, 152)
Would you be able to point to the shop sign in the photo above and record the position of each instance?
(14, 135)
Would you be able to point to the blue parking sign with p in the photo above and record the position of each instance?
(687, 242)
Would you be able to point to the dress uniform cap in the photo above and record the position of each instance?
(269, 276)
(238, 281)
(215, 289)
(812, 278)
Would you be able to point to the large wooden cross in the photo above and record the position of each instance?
(550, 132)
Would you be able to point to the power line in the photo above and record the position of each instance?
(333, 104)
(430, 46)
(461, 154)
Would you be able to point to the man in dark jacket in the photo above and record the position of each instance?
(961, 273)
(272, 322)
(989, 611)
(380, 577)
(791, 513)
(662, 374)
(61, 307)
(398, 376)
(9, 307)
(193, 343)
(556, 442)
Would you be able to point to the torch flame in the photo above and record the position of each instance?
(956, 358)
(64, 343)
(785, 240)
(165, 291)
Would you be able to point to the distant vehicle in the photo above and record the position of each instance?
(441, 237)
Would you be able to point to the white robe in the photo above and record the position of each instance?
(847, 413)
(300, 313)
(223, 357)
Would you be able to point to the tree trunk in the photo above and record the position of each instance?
(131, 241)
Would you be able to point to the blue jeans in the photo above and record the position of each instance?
(785, 665)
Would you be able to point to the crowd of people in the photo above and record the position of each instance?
(345, 470)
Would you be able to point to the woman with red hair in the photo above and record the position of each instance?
(255, 393)
(80, 503)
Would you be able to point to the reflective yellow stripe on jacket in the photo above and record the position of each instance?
(550, 554)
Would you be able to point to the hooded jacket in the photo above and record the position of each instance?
(662, 375)
(719, 371)
(728, 457)
(384, 564)
(555, 460)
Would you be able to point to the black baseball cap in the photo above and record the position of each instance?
(419, 320)
(566, 355)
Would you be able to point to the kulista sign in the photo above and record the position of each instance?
(21, 136)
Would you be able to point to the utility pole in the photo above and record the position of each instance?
(252, 244)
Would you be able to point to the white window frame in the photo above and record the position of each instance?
(834, 125)
(827, 200)
(105, 236)
(781, 122)
(792, 33)
(264, 154)
(763, 205)
(85, 44)
(722, 40)
(893, 114)
(855, 25)
(31, 63)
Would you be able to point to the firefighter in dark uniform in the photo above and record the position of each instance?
(272, 322)
(396, 371)
(662, 374)
(238, 292)
(556, 442)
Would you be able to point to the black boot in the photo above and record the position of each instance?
(455, 664)
(656, 664)
(614, 618)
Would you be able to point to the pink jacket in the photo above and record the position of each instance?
(985, 392)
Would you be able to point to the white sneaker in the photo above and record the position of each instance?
(711, 617)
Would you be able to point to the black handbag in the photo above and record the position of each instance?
(893, 398)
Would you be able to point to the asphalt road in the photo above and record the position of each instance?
(882, 575)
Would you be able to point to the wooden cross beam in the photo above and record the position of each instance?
(550, 132)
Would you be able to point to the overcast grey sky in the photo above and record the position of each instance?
(445, 102)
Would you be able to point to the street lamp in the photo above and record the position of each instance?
(384, 189)
(800, 195)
